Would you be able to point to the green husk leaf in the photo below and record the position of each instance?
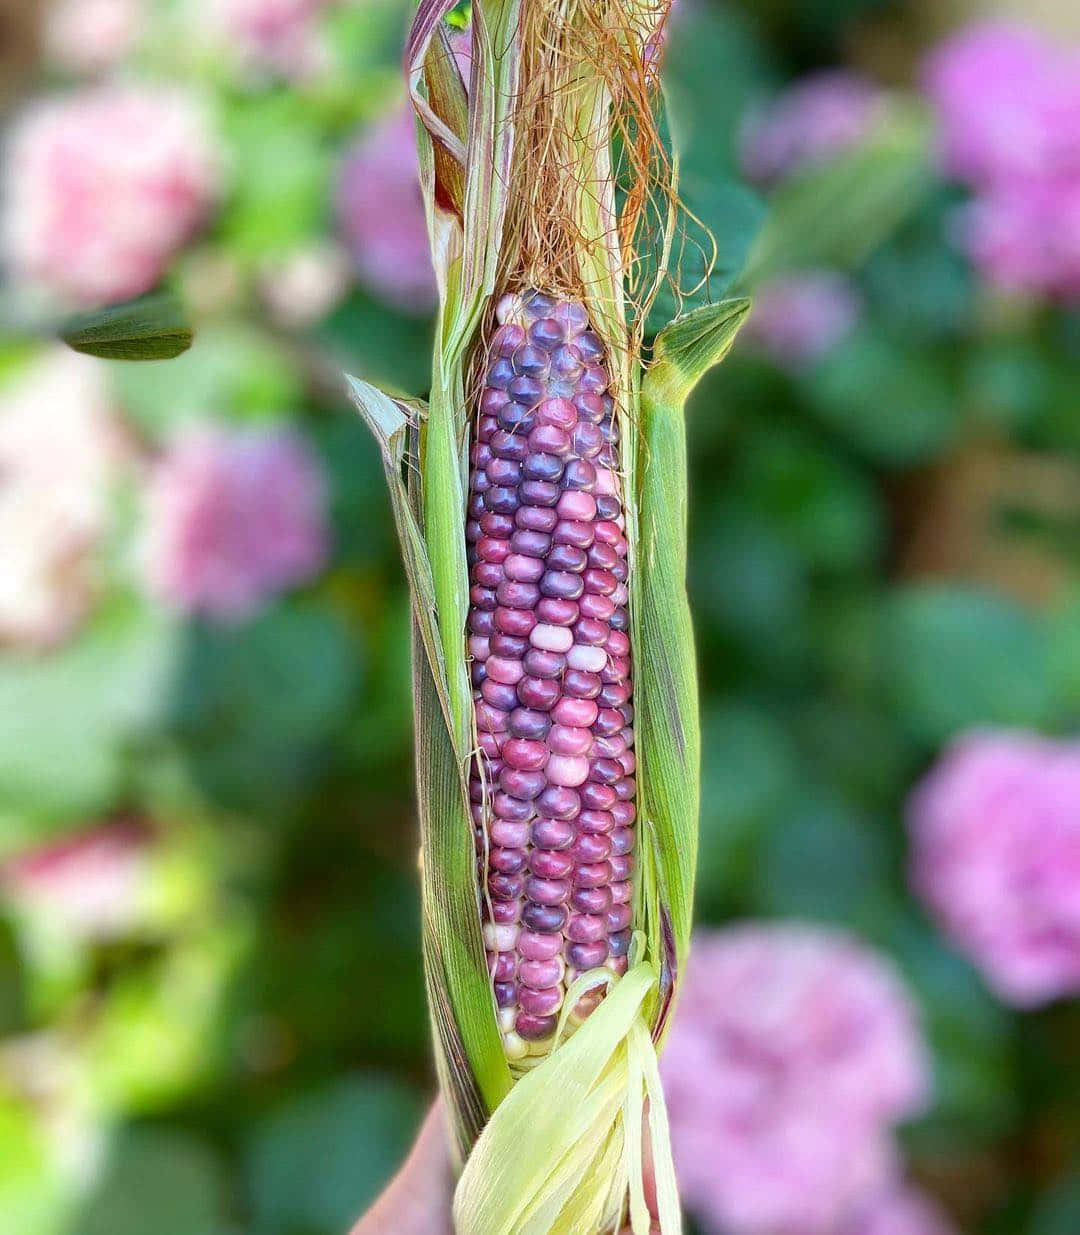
(667, 729)
(154, 327)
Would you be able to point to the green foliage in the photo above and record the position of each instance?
(151, 328)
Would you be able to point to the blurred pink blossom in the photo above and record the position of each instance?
(814, 120)
(233, 519)
(92, 36)
(1008, 102)
(276, 37)
(799, 317)
(382, 215)
(903, 1211)
(303, 286)
(92, 885)
(59, 448)
(995, 829)
(794, 1050)
(104, 185)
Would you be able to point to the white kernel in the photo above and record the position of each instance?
(551, 638)
(505, 1019)
(514, 1046)
(500, 936)
(588, 658)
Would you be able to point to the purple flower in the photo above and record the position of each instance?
(104, 186)
(816, 119)
(1008, 103)
(903, 1211)
(995, 829)
(233, 519)
(794, 1051)
(382, 215)
(799, 317)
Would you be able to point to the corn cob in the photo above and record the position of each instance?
(552, 786)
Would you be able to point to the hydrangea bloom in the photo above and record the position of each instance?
(302, 287)
(1009, 104)
(1009, 110)
(799, 317)
(59, 445)
(105, 185)
(92, 36)
(90, 886)
(812, 121)
(793, 1052)
(902, 1212)
(996, 835)
(232, 520)
(276, 37)
(382, 215)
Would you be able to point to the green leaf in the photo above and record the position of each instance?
(953, 658)
(319, 1161)
(154, 327)
(837, 214)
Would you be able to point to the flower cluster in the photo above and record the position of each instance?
(233, 519)
(794, 1051)
(59, 447)
(1009, 108)
(996, 835)
(799, 317)
(902, 1212)
(105, 185)
(278, 38)
(817, 119)
(381, 215)
(92, 36)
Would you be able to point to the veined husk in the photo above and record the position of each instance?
(561, 1149)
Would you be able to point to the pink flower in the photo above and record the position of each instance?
(382, 215)
(233, 519)
(300, 288)
(799, 317)
(104, 186)
(995, 829)
(92, 885)
(278, 37)
(1008, 102)
(817, 119)
(794, 1051)
(59, 448)
(92, 36)
(904, 1211)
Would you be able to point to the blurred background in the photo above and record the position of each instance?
(211, 1011)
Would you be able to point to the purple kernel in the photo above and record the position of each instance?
(626, 789)
(535, 1028)
(619, 943)
(556, 611)
(547, 891)
(516, 622)
(621, 893)
(576, 504)
(500, 374)
(547, 332)
(523, 569)
(501, 669)
(505, 913)
(525, 754)
(491, 401)
(541, 975)
(540, 1003)
(541, 664)
(565, 740)
(608, 506)
(528, 723)
(507, 339)
(590, 405)
(506, 994)
(559, 802)
(583, 927)
(538, 493)
(499, 526)
(566, 557)
(561, 584)
(602, 557)
(539, 693)
(593, 605)
(618, 918)
(521, 784)
(528, 391)
(577, 683)
(517, 595)
(604, 771)
(541, 466)
(576, 713)
(588, 345)
(549, 439)
(588, 441)
(530, 544)
(534, 946)
(482, 597)
(550, 863)
(505, 887)
(592, 874)
(621, 867)
(591, 900)
(536, 518)
(532, 361)
(545, 918)
(574, 532)
(579, 474)
(602, 581)
(502, 500)
(590, 847)
(509, 445)
(595, 380)
(477, 672)
(511, 835)
(552, 833)
(560, 413)
(516, 810)
(589, 631)
(565, 364)
(507, 861)
(504, 966)
(490, 718)
(587, 955)
(504, 472)
(597, 797)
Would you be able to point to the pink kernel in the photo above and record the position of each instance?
(567, 770)
(549, 638)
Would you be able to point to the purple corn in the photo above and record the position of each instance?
(553, 786)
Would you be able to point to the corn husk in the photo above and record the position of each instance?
(561, 1148)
